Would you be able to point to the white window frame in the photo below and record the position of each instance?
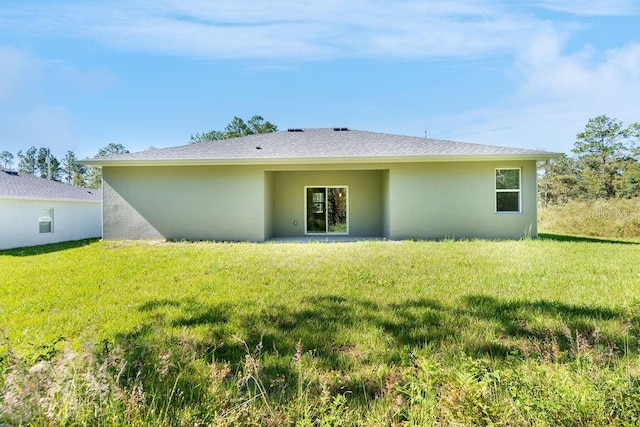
(45, 216)
(507, 190)
(326, 218)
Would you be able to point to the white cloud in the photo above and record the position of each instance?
(278, 29)
(556, 94)
(609, 80)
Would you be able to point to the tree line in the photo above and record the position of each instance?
(605, 164)
(42, 163)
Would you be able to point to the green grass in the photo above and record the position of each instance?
(533, 332)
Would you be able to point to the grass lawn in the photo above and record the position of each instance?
(532, 332)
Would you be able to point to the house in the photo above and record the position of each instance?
(321, 182)
(36, 211)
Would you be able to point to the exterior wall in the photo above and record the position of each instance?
(364, 198)
(268, 205)
(71, 221)
(385, 203)
(457, 200)
(255, 203)
(184, 202)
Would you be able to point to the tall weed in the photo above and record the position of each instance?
(618, 218)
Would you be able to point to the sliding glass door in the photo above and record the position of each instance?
(327, 210)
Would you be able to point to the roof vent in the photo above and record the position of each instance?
(12, 173)
(340, 129)
(295, 130)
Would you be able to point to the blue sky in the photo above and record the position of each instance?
(77, 75)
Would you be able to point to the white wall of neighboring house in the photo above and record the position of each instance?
(72, 220)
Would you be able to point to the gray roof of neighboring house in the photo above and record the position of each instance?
(320, 145)
(19, 185)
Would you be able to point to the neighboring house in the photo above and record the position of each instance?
(36, 211)
(321, 182)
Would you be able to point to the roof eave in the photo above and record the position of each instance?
(319, 160)
(51, 199)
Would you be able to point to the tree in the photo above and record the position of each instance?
(258, 125)
(69, 163)
(213, 135)
(6, 159)
(634, 134)
(602, 140)
(601, 148)
(112, 149)
(27, 163)
(627, 184)
(95, 177)
(236, 128)
(560, 181)
(47, 164)
(74, 172)
(606, 164)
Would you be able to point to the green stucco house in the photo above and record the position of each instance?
(305, 183)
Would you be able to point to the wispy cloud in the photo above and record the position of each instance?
(27, 114)
(555, 89)
(556, 94)
(278, 29)
(19, 69)
(591, 7)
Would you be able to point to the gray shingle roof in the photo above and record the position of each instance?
(18, 185)
(320, 145)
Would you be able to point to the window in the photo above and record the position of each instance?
(46, 220)
(508, 190)
(326, 210)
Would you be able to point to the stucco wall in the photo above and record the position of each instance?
(397, 201)
(190, 202)
(457, 200)
(364, 198)
(385, 203)
(19, 224)
(268, 205)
